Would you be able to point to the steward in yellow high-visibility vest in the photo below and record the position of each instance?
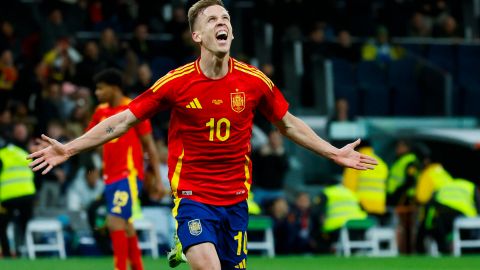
(16, 178)
(400, 184)
(457, 198)
(331, 210)
(370, 185)
(430, 180)
(17, 190)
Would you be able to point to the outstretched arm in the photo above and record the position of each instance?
(300, 133)
(55, 153)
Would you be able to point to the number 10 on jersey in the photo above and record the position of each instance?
(219, 129)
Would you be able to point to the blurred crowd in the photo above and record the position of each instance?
(50, 51)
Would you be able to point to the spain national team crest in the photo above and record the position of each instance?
(237, 101)
(195, 227)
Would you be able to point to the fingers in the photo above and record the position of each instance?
(356, 143)
(40, 166)
(36, 161)
(47, 169)
(368, 159)
(48, 139)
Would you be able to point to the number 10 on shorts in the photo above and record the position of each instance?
(241, 239)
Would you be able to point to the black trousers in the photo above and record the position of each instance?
(441, 229)
(18, 210)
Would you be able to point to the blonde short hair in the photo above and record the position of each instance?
(198, 7)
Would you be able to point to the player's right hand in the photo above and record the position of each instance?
(51, 154)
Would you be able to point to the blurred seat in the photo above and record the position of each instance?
(468, 79)
(147, 236)
(358, 234)
(344, 83)
(443, 56)
(262, 224)
(467, 224)
(375, 94)
(386, 240)
(402, 80)
(415, 49)
(45, 228)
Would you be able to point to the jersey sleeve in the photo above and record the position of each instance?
(144, 127)
(273, 104)
(153, 100)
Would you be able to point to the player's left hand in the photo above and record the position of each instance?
(53, 154)
(348, 157)
(158, 190)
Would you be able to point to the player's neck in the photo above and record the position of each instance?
(214, 67)
(117, 100)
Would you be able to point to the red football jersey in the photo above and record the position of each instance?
(122, 157)
(210, 128)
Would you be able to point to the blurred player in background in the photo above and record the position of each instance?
(212, 102)
(123, 169)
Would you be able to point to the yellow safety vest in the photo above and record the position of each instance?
(431, 179)
(16, 178)
(458, 195)
(398, 172)
(342, 206)
(369, 185)
(253, 207)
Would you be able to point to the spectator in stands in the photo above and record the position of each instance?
(316, 43)
(283, 230)
(8, 75)
(300, 218)
(140, 44)
(420, 25)
(458, 198)
(331, 209)
(9, 39)
(144, 80)
(87, 186)
(369, 186)
(344, 48)
(271, 165)
(179, 21)
(90, 65)
(60, 61)
(6, 122)
(17, 188)
(342, 112)
(47, 105)
(381, 49)
(314, 48)
(51, 29)
(110, 49)
(447, 28)
(50, 191)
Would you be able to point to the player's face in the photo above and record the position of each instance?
(213, 30)
(104, 92)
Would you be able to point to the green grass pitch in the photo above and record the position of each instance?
(469, 262)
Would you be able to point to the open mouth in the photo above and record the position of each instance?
(222, 35)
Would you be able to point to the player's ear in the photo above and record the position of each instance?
(196, 36)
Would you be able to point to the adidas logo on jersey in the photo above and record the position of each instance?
(194, 104)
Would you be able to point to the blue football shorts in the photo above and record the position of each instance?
(224, 226)
(122, 198)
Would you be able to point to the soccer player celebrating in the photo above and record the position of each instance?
(123, 169)
(212, 102)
